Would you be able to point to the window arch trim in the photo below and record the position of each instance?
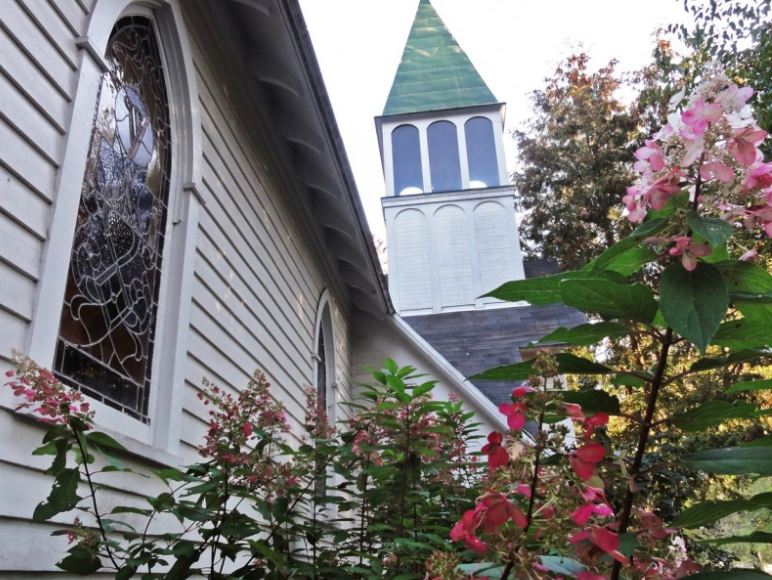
(324, 336)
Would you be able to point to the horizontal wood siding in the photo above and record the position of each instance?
(257, 277)
(38, 73)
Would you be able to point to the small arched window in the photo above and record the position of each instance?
(107, 325)
(443, 156)
(481, 153)
(325, 359)
(406, 154)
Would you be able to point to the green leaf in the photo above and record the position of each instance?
(593, 401)
(561, 565)
(747, 355)
(750, 386)
(63, 496)
(765, 441)
(610, 299)
(736, 574)
(631, 261)
(584, 334)
(567, 363)
(572, 364)
(712, 413)
(747, 332)
(103, 440)
(715, 231)
(732, 461)
(694, 303)
(745, 278)
(627, 380)
(80, 561)
(757, 537)
(536, 291)
(606, 260)
(708, 512)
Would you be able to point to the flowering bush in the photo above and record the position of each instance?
(372, 495)
(682, 279)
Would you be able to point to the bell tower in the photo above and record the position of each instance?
(450, 217)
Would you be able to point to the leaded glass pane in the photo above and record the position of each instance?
(107, 326)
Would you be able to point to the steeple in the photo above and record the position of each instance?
(434, 73)
(450, 214)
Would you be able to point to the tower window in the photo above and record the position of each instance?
(107, 325)
(481, 153)
(443, 156)
(406, 153)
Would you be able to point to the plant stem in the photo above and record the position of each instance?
(535, 477)
(507, 570)
(92, 490)
(643, 439)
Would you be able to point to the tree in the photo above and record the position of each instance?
(574, 163)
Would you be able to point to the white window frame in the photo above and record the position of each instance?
(158, 439)
(323, 325)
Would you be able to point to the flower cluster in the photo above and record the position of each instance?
(236, 426)
(491, 512)
(710, 148)
(316, 422)
(41, 391)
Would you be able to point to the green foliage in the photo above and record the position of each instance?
(711, 511)
(372, 499)
(694, 303)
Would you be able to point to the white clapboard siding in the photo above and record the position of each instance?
(453, 253)
(257, 276)
(72, 14)
(29, 36)
(29, 81)
(490, 225)
(18, 293)
(411, 241)
(53, 27)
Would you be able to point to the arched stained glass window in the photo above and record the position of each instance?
(406, 154)
(107, 326)
(481, 153)
(443, 156)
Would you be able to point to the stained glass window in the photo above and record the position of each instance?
(107, 327)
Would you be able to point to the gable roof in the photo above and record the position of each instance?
(434, 73)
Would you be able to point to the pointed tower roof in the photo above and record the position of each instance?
(434, 72)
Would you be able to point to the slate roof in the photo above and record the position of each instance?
(434, 73)
(476, 340)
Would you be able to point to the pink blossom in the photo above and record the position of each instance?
(497, 455)
(523, 489)
(521, 391)
(590, 576)
(689, 251)
(759, 176)
(700, 115)
(716, 170)
(515, 413)
(743, 144)
(650, 157)
(663, 189)
(749, 255)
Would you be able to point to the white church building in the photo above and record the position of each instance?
(176, 203)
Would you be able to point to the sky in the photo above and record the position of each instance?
(515, 45)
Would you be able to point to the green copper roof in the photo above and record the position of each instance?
(434, 72)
